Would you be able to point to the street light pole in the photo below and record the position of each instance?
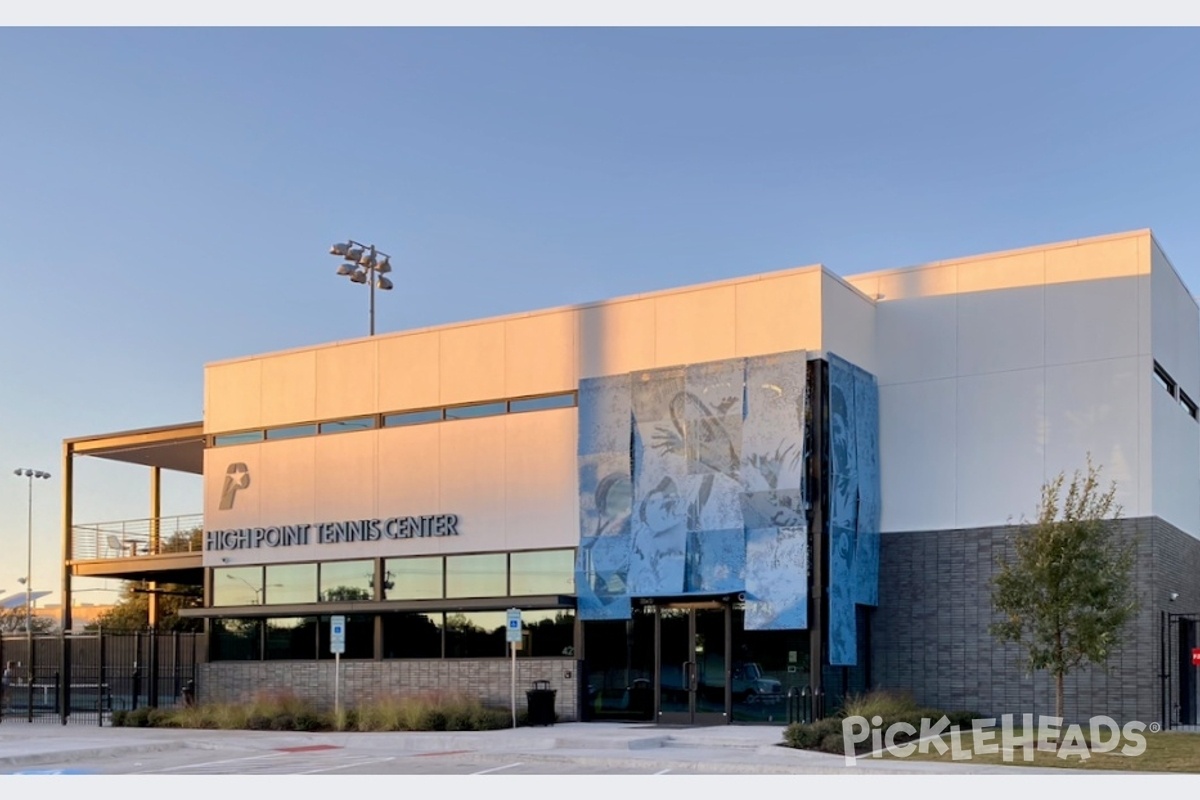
(30, 474)
(364, 265)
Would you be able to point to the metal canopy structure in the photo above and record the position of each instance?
(174, 447)
(18, 600)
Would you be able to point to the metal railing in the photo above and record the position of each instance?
(138, 537)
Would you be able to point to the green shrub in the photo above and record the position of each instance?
(161, 718)
(118, 718)
(833, 743)
(433, 719)
(882, 703)
(137, 718)
(492, 719)
(810, 735)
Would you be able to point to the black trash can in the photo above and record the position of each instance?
(541, 703)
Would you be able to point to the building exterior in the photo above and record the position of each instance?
(701, 499)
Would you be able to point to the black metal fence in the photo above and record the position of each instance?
(83, 678)
(804, 705)
(1179, 656)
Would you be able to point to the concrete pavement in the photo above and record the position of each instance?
(595, 746)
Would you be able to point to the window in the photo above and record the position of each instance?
(292, 432)
(1164, 379)
(246, 437)
(291, 638)
(237, 586)
(543, 572)
(1188, 404)
(291, 583)
(477, 576)
(412, 635)
(479, 634)
(236, 639)
(477, 410)
(347, 580)
(412, 418)
(542, 403)
(343, 425)
(413, 578)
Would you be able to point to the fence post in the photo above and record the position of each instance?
(65, 679)
(152, 693)
(102, 689)
(29, 678)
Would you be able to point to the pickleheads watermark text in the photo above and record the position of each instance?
(1047, 736)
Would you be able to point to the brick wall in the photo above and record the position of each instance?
(488, 679)
(930, 634)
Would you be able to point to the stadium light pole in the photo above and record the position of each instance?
(30, 474)
(364, 264)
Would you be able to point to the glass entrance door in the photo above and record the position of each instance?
(693, 665)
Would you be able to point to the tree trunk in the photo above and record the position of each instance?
(1058, 695)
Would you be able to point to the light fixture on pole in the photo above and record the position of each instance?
(364, 264)
(30, 474)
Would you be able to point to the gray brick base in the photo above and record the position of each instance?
(930, 633)
(363, 681)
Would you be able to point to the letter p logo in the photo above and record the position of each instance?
(236, 477)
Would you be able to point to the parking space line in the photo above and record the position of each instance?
(497, 769)
(348, 765)
(209, 763)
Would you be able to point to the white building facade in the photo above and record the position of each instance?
(707, 499)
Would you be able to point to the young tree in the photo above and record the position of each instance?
(1068, 590)
(131, 612)
(12, 621)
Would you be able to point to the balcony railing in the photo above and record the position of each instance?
(138, 537)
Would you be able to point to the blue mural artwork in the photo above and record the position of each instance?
(854, 504)
(707, 466)
(866, 443)
(605, 498)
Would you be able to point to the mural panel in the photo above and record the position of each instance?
(854, 504)
(712, 470)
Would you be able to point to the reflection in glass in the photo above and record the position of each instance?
(478, 634)
(412, 635)
(548, 633)
(343, 425)
(543, 572)
(291, 583)
(237, 586)
(292, 432)
(484, 575)
(763, 667)
(236, 639)
(347, 580)
(412, 418)
(477, 410)
(413, 578)
(542, 403)
(246, 437)
(619, 668)
(291, 638)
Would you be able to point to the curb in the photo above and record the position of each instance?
(70, 756)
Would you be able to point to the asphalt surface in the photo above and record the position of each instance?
(570, 748)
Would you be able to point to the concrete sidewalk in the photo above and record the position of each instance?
(712, 750)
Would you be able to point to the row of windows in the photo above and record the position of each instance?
(519, 574)
(401, 418)
(480, 634)
(1165, 380)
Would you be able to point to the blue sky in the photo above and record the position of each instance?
(167, 196)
